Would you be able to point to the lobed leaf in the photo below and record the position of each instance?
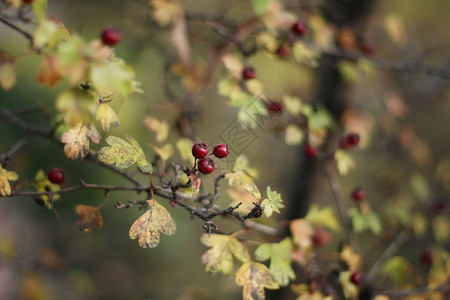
(324, 216)
(255, 277)
(77, 140)
(107, 117)
(5, 178)
(220, 257)
(90, 217)
(273, 203)
(147, 227)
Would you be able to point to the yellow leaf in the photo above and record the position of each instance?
(164, 152)
(90, 217)
(293, 135)
(42, 184)
(293, 105)
(255, 277)
(49, 33)
(323, 216)
(7, 70)
(220, 257)
(441, 228)
(302, 232)
(107, 117)
(440, 270)
(344, 161)
(49, 72)
(184, 146)
(113, 76)
(350, 289)
(234, 65)
(165, 11)
(253, 189)
(76, 106)
(419, 224)
(77, 140)
(161, 128)
(124, 154)
(351, 258)
(148, 227)
(5, 177)
(240, 195)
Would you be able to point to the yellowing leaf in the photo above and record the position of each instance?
(111, 76)
(39, 9)
(440, 270)
(220, 257)
(49, 72)
(397, 268)
(240, 195)
(293, 105)
(184, 146)
(344, 161)
(350, 289)
(7, 70)
(280, 259)
(5, 178)
(148, 227)
(255, 277)
(259, 6)
(77, 140)
(165, 11)
(419, 224)
(161, 128)
(124, 154)
(234, 65)
(76, 105)
(441, 228)
(302, 232)
(253, 189)
(351, 258)
(324, 216)
(305, 293)
(107, 117)
(164, 152)
(49, 33)
(42, 184)
(293, 135)
(273, 203)
(242, 172)
(305, 54)
(90, 217)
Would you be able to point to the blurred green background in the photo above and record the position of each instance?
(42, 256)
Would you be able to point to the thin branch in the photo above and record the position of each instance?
(445, 287)
(20, 143)
(342, 209)
(401, 239)
(16, 28)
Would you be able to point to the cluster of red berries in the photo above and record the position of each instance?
(56, 175)
(206, 164)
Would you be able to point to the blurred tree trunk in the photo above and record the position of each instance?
(348, 16)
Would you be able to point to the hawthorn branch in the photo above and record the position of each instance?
(16, 28)
(19, 144)
(445, 287)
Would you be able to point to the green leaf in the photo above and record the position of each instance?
(273, 202)
(220, 257)
(369, 221)
(344, 161)
(305, 54)
(350, 289)
(124, 154)
(319, 119)
(397, 268)
(39, 9)
(49, 33)
(255, 277)
(113, 76)
(147, 227)
(323, 216)
(280, 259)
(259, 6)
(251, 115)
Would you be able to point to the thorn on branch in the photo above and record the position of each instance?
(210, 226)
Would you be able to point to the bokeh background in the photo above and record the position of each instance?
(403, 118)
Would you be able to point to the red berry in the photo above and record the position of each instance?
(426, 257)
(310, 151)
(199, 150)
(283, 51)
(299, 28)
(349, 141)
(356, 277)
(206, 165)
(56, 176)
(274, 107)
(358, 194)
(367, 49)
(220, 150)
(111, 36)
(249, 72)
(438, 206)
(27, 1)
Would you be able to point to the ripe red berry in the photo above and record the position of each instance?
(299, 28)
(249, 72)
(349, 141)
(206, 165)
(283, 51)
(199, 150)
(356, 277)
(111, 36)
(358, 194)
(367, 49)
(426, 257)
(310, 151)
(220, 150)
(274, 107)
(56, 176)
(27, 1)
